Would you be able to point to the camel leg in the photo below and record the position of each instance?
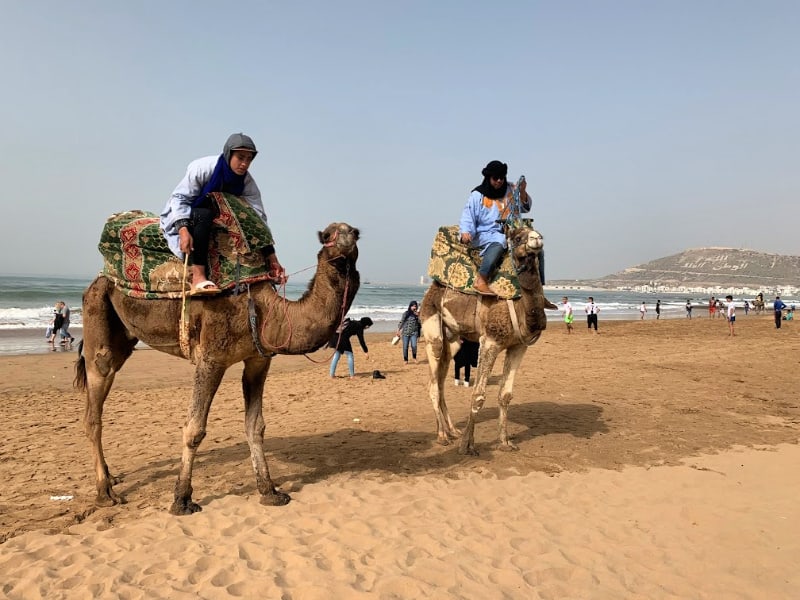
(207, 377)
(486, 359)
(100, 374)
(438, 361)
(253, 377)
(514, 356)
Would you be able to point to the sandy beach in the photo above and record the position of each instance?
(658, 459)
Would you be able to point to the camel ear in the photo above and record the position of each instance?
(356, 233)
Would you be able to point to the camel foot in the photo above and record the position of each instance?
(276, 498)
(184, 507)
(508, 447)
(106, 496)
(468, 450)
(443, 440)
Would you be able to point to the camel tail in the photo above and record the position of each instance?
(80, 369)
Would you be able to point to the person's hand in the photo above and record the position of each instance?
(276, 270)
(187, 243)
(366, 355)
(466, 238)
(523, 186)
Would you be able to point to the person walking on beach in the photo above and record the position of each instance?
(569, 317)
(483, 217)
(658, 309)
(187, 218)
(778, 307)
(712, 307)
(591, 309)
(409, 328)
(731, 314)
(66, 337)
(58, 321)
(340, 342)
(642, 311)
(688, 309)
(746, 308)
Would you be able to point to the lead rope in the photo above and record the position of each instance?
(183, 326)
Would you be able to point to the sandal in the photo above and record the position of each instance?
(205, 288)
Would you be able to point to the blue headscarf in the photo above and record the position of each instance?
(222, 179)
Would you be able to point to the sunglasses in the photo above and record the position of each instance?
(501, 178)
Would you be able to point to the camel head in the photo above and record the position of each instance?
(339, 244)
(526, 243)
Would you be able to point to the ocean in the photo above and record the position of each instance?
(26, 306)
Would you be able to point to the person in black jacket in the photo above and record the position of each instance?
(340, 341)
(466, 357)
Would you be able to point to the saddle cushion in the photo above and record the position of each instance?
(138, 260)
(456, 265)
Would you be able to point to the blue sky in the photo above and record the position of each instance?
(643, 128)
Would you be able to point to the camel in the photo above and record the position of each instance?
(219, 335)
(498, 324)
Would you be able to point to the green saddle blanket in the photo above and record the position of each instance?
(138, 260)
(456, 265)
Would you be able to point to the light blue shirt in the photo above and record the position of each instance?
(179, 205)
(480, 221)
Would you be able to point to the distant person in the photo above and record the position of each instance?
(58, 322)
(688, 309)
(66, 337)
(731, 314)
(340, 342)
(789, 314)
(642, 311)
(778, 307)
(409, 328)
(569, 316)
(483, 217)
(658, 309)
(746, 308)
(591, 309)
(187, 218)
(720, 309)
(712, 307)
(466, 358)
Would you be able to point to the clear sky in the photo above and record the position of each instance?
(643, 128)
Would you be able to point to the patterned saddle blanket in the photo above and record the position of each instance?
(456, 265)
(138, 260)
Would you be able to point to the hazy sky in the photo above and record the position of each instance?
(643, 128)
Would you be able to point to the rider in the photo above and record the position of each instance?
(187, 217)
(487, 208)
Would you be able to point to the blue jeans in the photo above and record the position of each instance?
(413, 340)
(351, 363)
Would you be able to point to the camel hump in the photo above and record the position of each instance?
(138, 260)
(456, 265)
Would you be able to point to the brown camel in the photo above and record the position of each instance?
(511, 325)
(219, 335)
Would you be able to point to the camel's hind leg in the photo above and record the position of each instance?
(255, 373)
(207, 377)
(514, 356)
(486, 359)
(438, 352)
(103, 351)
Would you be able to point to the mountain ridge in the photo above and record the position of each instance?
(711, 266)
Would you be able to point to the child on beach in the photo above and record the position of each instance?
(566, 307)
(731, 314)
(642, 311)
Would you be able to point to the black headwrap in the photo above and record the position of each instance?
(493, 169)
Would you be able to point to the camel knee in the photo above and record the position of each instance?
(194, 439)
(102, 362)
(477, 404)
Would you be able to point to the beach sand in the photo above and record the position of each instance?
(658, 459)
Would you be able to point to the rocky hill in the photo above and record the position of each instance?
(708, 267)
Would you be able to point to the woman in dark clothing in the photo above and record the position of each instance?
(341, 343)
(409, 329)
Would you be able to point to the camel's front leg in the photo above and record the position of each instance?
(253, 377)
(514, 356)
(486, 359)
(437, 351)
(207, 377)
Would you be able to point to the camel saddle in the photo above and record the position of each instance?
(138, 260)
(456, 265)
